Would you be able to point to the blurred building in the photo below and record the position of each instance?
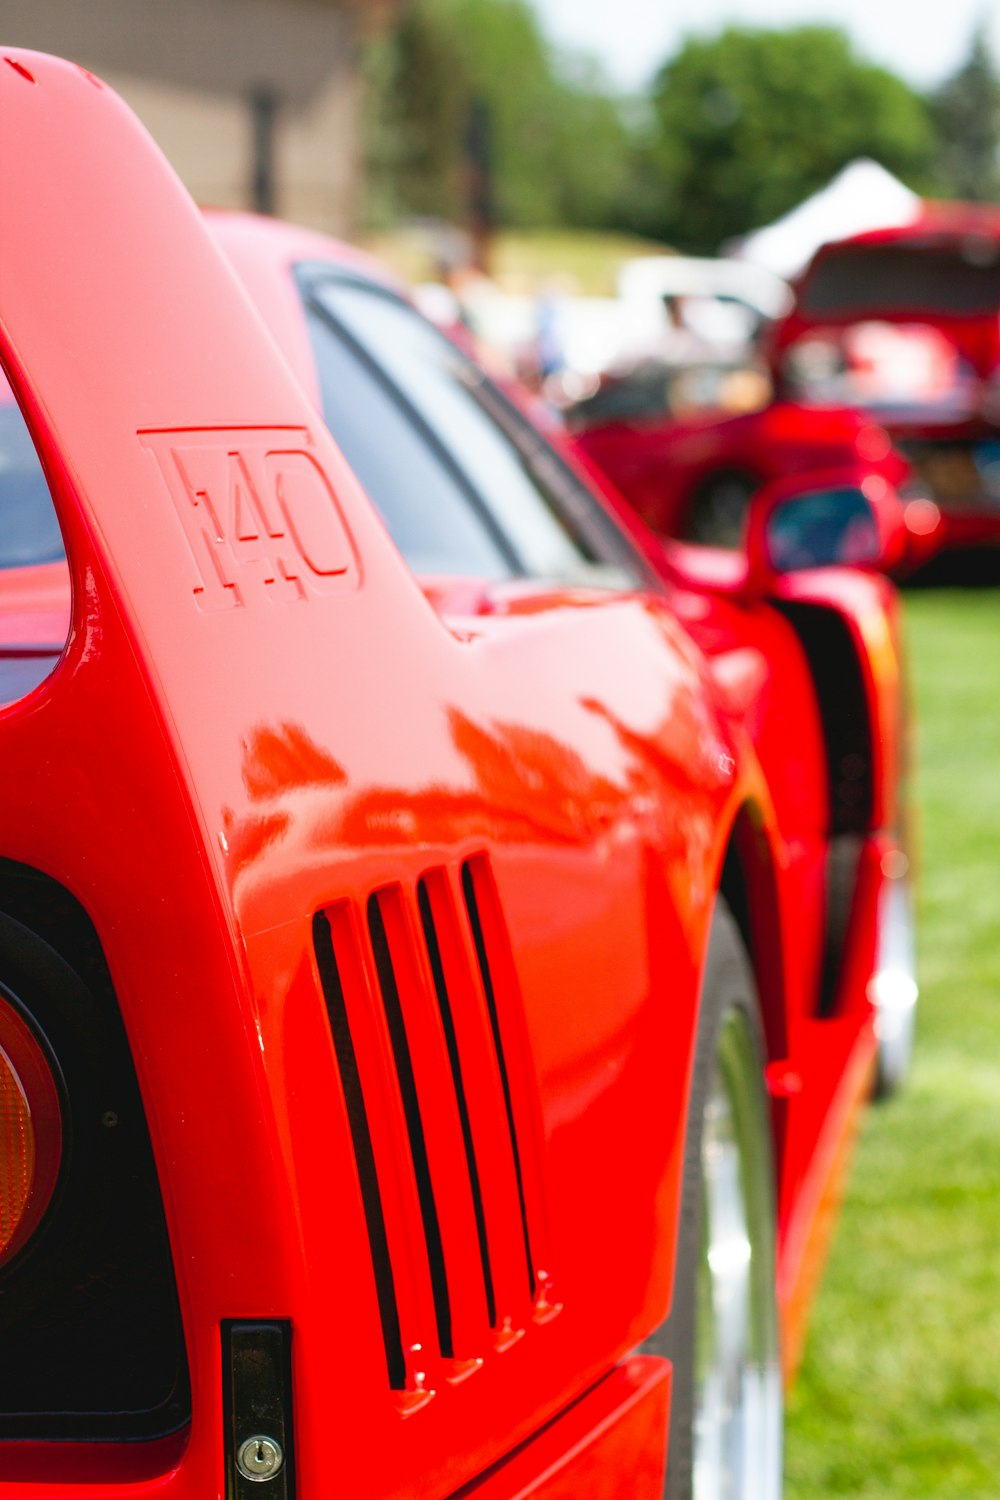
(257, 103)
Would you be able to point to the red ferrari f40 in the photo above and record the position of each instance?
(445, 936)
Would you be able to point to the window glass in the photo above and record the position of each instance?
(880, 281)
(430, 515)
(29, 529)
(34, 597)
(470, 420)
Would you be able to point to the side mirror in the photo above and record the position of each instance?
(846, 518)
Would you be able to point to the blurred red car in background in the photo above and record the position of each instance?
(689, 466)
(904, 324)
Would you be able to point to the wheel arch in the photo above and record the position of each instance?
(748, 882)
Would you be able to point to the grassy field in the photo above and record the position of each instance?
(899, 1394)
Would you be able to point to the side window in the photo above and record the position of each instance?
(29, 530)
(435, 522)
(552, 527)
(34, 581)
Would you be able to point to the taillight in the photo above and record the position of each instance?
(30, 1133)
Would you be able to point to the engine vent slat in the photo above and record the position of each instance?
(482, 908)
(414, 1121)
(487, 1106)
(386, 1177)
(424, 1012)
(454, 1058)
(364, 1155)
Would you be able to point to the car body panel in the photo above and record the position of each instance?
(662, 466)
(265, 754)
(759, 668)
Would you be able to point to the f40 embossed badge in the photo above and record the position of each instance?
(258, 512)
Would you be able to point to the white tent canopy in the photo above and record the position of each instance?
(862, 196)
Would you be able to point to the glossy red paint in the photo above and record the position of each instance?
(934, 278)
(615, 1429)
(298, 793)
(756, 660)
(664, 465)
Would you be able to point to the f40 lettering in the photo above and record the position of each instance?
(259, 515)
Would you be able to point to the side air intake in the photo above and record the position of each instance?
(427, 1028)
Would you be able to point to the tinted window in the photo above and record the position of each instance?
(553, 527)
(430, 514)
(34, 611)
(29, 530)
(905, 279)
(823, 528)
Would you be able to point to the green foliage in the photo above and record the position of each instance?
(740, 127)
(899, 1395)
(417, 97)
(560, 147)
(750, 122)
(966, 112)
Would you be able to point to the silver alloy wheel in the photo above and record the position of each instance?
(893, 988)
(737, 1376)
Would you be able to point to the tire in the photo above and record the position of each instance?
(722, 1333)
(717, 516)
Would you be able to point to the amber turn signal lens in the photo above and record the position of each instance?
(17, 1153)
(30, 1133)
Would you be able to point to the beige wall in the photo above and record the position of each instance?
(188, 67)
(208, 139)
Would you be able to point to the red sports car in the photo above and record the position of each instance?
(904, 323)
(689, 466)
(445, 941)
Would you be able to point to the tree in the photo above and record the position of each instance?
(418, 94)
(966, 112)
(559, 144)
(748, 123)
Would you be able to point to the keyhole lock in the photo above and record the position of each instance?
(260, 1458)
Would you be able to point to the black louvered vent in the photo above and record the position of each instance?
(472, 907)
(428, 1033)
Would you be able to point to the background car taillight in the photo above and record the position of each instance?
(31, 1133)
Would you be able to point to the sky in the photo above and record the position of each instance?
(922, 40)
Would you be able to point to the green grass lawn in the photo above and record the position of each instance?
(899, 1393)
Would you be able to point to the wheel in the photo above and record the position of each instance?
(722, 1333)
(893, 989)
(718, 513)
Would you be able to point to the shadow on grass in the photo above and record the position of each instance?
(961, 567)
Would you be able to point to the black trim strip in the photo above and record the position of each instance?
(475, 921)
(448, 1025)
(257, 1400)
(414, 1124)
(364, 1154)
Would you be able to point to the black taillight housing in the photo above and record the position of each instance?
(89, 1316)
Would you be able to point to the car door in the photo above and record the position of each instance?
(404, 906)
